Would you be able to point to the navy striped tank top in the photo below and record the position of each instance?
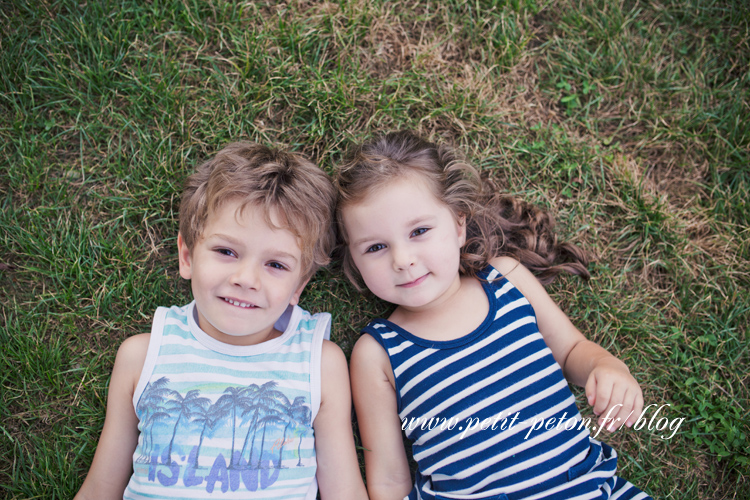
(490, 415)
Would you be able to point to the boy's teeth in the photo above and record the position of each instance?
(236, 303)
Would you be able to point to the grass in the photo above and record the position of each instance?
(629, 120)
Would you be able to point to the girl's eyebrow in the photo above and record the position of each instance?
(362, 240)
(418, 220)
(411, 222)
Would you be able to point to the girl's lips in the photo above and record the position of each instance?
(415, 282)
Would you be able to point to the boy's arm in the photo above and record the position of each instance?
(607, 380)
(338, 470)
(386, 465)
(113, 460)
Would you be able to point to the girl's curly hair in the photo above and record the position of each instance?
(496, 224)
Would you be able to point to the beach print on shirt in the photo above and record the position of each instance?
(244, 439)
(217, 420)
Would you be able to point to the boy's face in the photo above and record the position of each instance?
(244, 274)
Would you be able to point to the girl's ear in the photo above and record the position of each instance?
(461, 230)
(184, 255)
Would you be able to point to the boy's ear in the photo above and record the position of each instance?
(184, 255)
(298, 292)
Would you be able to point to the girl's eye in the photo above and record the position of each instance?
(419, 231)
(278, 265)
(375, 248)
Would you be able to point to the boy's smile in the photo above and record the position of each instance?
(244, 274)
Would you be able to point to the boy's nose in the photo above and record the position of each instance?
(246, 276)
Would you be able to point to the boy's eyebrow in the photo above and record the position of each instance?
(235, 241)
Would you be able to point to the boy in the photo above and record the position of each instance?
(223, 397)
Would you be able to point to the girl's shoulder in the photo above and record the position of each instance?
(505, 265)
(519, 276)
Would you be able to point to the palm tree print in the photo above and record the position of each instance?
(251, 409)
(262, 401)
(209, 415)
(233, 397)
(151, 410)
(183, 407)
(160, 414)
(303, 420)
(171, 419)
(272, 416)
(294, 414)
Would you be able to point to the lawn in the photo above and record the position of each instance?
(629, 120)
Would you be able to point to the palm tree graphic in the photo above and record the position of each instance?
(183, 407)
(303, 416)
(209, 415)
(264, 409)
(151, 411)
(233, 397)
(259, 404)
(294, 414)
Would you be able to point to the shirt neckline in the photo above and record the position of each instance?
(287, 323)
(465, 339)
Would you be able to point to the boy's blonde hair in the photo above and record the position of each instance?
(279, 182)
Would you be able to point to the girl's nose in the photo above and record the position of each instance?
(402, 259)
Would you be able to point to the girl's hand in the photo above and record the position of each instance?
(614, 393)
(610, 387)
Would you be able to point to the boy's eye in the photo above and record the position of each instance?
(375, 248)
(226, 251)
(419, 231)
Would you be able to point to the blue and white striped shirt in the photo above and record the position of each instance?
(490, 414)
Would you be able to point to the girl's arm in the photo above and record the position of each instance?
(386, 465)
(338, 470)
(113, 460)
(609, 386)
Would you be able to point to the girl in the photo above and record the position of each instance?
(470, 364)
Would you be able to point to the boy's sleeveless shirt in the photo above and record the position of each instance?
(490, 415)
(218, 420)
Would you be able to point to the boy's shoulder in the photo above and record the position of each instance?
(132, 348)
(305, 321)
(131, 358)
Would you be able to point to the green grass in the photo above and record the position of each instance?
(629, 120)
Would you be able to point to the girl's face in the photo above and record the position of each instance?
(406, 244)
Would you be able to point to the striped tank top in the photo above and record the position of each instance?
(225, 421)
(490, 415)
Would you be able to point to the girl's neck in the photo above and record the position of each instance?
(458, 315)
